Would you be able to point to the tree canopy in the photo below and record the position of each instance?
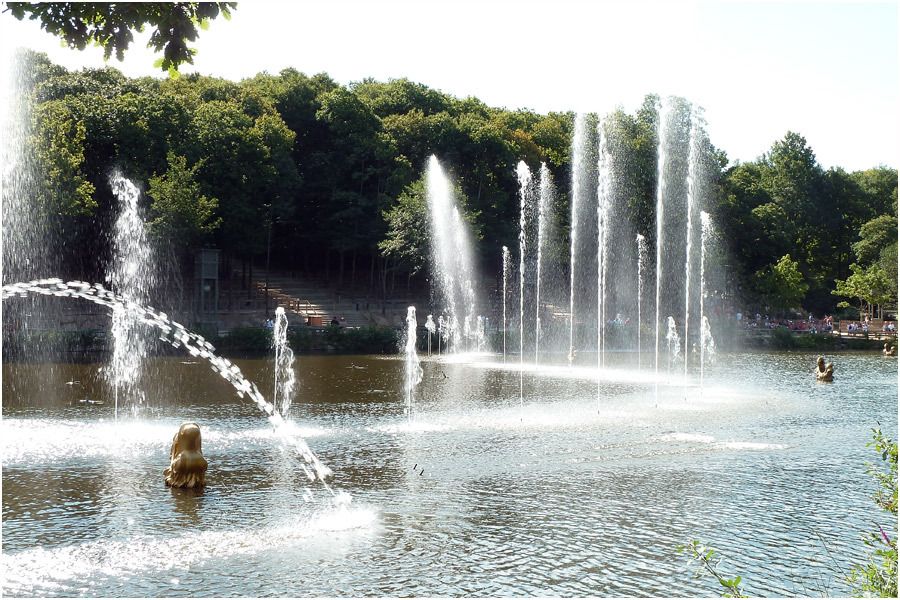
(336, 171)
(110, 25)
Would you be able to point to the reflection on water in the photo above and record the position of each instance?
(475, 495)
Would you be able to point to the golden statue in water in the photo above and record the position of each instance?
(188, 467)
(824, 372)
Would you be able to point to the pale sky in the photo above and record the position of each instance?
(828, 70)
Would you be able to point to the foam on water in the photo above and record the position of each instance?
(37, 570)
(637, 406)
(37, 441)
(700, 438)
(753, 446)
(687, 437)
(609, 374)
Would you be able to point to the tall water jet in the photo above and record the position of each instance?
(692, 183)
(661, 158)
(25, 226)
(285, 379)
(451, 256)
(30, 246)
(579, 153)
(430, 327)
(506, 266)
(707, 344)
(131, 274)
(641, 262)
(464, 265)
(526, 208)
(673, 342)
(604, 200)
(545, 199)
(479, 334)
(413, 371)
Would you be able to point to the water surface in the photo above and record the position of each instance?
(563, 493)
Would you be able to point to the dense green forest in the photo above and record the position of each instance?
(329, 178)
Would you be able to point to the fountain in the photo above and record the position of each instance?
(707, 344)
(451, 257)
(132, 276)
(177, 336)
(285, 379)
(413, 370)
(581, 152)
(526, 217)
(662, 128)
(430, 328)
(673, 342)
(545, 200)
(604, 200)
(505, 282)
(641, 261)
(479, 334)
(75, 531)
(680, 190)
(692, 185)
(30, 247)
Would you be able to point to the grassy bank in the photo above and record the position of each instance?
(781, 338)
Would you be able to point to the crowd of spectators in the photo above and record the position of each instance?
(811, 324)
(808, 325)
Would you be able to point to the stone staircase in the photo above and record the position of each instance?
(312, 301)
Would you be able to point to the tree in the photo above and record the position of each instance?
(110, 24)
(400, 96)
(246, 165)
(782, 285)
(887, 261)
(181, 215)
(880, 187)
(875, 236)
(871, 286)
(784, 202)
(60, 147)
(407, 238)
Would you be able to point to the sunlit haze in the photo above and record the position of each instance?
(827, 70)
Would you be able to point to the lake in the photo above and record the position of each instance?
(576, 488)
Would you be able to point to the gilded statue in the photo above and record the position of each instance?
(188, 467)
(824, 372)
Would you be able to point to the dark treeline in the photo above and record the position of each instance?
(326, 180)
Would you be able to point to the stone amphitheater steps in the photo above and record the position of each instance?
(309, 297)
